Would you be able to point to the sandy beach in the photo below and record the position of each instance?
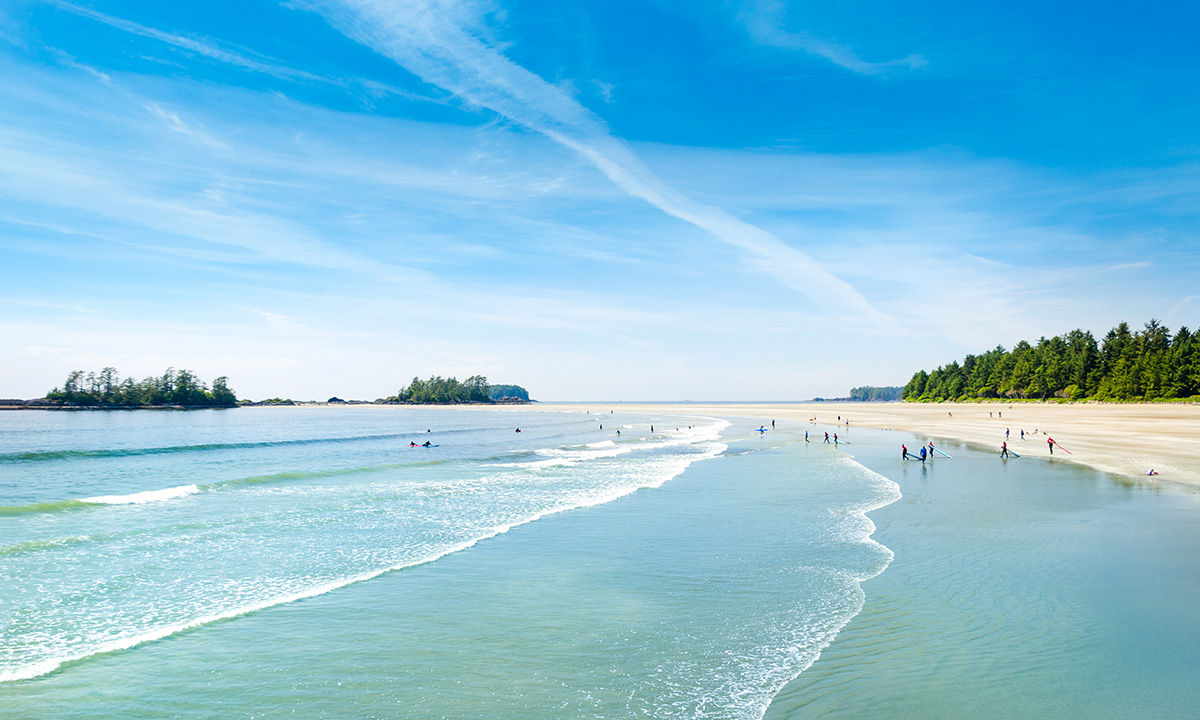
(1128, 439)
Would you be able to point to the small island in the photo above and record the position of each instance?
(438, 390)
(106, 390)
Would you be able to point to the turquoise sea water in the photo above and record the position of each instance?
(307, 562)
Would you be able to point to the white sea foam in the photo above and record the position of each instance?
(147, 496)
(862, 530)
(669, 468)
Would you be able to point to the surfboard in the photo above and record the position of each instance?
(1060, 447)
(762, 429)
(942, 453)
(1010, 452)
(425, 446)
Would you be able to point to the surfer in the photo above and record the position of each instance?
(805, 436)
(518, 429)
(427, 444)
(1022, 433)
(1151, 471)
(772, 424)
(835, 439)
(922, 453)
(930, 451)
(903, 451)
(826, 438)
(1004, 449)
(1050, 444)
(651, 428)
(413, 443)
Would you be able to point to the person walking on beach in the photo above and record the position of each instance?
(1005, 433)
(1050, 444)
(772, 424)
(826, 438)
(1022, 433)
(930, 451)
(805, 436)
(835, 439)
(903, 452)
(922, 453)
(1004, 449)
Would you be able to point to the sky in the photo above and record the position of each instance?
(652, 200)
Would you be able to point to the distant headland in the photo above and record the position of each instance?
(105, 390)
(1149, 365)
(183, 390)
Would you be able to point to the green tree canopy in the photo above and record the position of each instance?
(1145, 365)
(173, 387)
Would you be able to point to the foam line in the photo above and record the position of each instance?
(44, 667)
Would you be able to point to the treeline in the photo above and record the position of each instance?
(500, 393)
(876, 394)
(438, 390)
(1149, 364)
(174, 387)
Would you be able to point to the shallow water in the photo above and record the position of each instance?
(1020, 588)
(307, 562)
(326, 568)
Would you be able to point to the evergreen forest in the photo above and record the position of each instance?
(868, 393)
(438, 390)
(1144, 365)
(173, 387)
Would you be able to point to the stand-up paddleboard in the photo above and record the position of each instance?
(936, 450)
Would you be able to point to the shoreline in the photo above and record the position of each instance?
(1121, 438)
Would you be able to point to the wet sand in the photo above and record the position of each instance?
(1128, 439)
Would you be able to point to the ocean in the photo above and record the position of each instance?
(307, 561)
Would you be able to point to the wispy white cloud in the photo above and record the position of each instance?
(764, 21)
(441, 43)
(277, 321)
(73, 63)
(174, 121)
(205, 47)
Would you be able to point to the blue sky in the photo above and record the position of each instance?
(620, 200)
